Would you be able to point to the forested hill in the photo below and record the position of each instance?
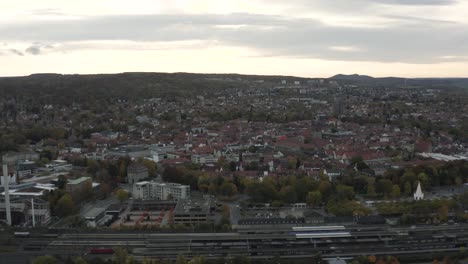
(125, 85)
(403, 82)
(65, 89)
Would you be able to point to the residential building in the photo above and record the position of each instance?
(133, 151)
(332, 174)
(204, 158)
(160, 191)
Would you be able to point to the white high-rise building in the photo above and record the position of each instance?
(160, 191)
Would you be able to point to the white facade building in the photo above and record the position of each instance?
(160, 191)
(418, 195)
(204, 158)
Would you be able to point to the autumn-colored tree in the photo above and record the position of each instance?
(122, 195)
(372, 259)
(443, 213)
(105, 188)
(228, 189)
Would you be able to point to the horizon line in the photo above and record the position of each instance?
(225, 73)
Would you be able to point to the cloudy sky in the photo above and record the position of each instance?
(312, 38)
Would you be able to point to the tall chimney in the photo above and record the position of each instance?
(6, 182)
(33, 216)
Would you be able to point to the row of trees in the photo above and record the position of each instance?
(447, 173)
(274, 190)
(434, 211)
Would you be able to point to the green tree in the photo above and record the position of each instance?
(443, 212)
(288, 194)
(198, 260)
(408, 188)
(344, 192)
(325, 188)
(463, 198)
(241, 260)
(45, 260)
(181, 260)
(395, 191)
(87, 192)
(121, 256)
(61, 182)
(65, 205)
(228, 189)
(262, 192)
(371, 189)
(384, 186)
(93, 166)
(314, 198)
(122, 195)
(425, 180)
(151, 166)
(459, 181)
(79, 260)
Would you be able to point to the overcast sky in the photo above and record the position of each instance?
(311, 38)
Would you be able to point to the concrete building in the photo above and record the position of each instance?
(28, 190)
(160, 191)
(133, 151)
(189, 212)
(22, 211)
(136, 172)
(152, 205)
(39, 209)
(11, 158)
(59, 166)
(159, 152)
(97, 217)
(25, 167)
(78, 184)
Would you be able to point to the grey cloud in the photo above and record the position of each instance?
(417, 42)
(418, 20)
(16, 52)
(34, 50)
(417, 2)
(47, 11)
(38, 48)
(341, 4)
(357, 7)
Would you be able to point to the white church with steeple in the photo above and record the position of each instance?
(418, 195)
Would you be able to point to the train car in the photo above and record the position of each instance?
(323, 235)
(320, 231)
(317, 228)
(50, 235)
(101, 251)
(21, 234)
